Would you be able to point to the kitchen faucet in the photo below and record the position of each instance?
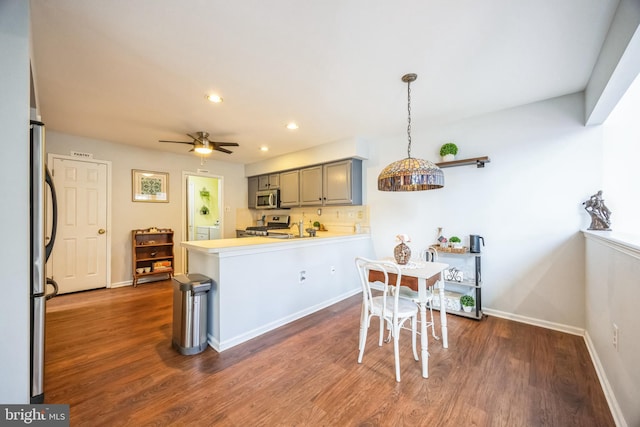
(300, 225)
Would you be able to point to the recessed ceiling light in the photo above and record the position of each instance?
(292, 126)
(264, 148)
(216, 99)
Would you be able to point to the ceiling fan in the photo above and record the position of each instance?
(202, 144)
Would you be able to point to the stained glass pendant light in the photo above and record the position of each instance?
(410, 174)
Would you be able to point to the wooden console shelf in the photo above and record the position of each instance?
(151, 252)
(478, 161)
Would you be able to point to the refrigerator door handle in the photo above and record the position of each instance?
(54, 216)
(55, 289)
(37, 350)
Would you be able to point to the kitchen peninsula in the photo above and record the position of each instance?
(262, 283)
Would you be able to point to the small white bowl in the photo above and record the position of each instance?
(140, 270)
(147, 269)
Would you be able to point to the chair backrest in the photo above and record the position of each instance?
(430, 254)
(382, 280)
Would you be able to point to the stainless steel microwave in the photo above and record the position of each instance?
(268, 199)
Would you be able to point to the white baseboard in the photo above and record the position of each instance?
(121, 284)
(535, 322)
(140, 281)
(616, 412)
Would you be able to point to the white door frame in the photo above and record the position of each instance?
(50, 159)
(185, 220)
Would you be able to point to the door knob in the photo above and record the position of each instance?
(102, 231)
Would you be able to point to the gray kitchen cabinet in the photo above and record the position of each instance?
(335, 183)
(252, 190)
(311, 186)
(342, 183)
(269, 182)
(290, 189)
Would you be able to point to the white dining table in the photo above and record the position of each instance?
(420, 276)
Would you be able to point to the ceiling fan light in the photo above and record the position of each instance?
(216, 99)
(203, 150)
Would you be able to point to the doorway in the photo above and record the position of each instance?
(203, 214)
(80, 258)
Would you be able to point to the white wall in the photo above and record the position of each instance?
(621, 153)
(526, 202)
(618, 63)
(14, 180)
(354, 147)
(128, 215)
(613, 267)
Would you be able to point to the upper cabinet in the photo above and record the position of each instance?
(336, 183)
(311, 186)
(342, 183)
(289, 189)
(269, 182)
(253, 189)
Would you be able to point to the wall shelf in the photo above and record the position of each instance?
(478, 161)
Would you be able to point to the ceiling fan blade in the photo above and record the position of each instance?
(195, 138)
(226, 144)
(177, 142)
(224, 150)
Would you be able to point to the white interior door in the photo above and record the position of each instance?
(190, 207)
(79, 256)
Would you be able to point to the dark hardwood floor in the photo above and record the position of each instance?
(109, 355)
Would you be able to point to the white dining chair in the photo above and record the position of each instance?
(428, 255)
(386, 305)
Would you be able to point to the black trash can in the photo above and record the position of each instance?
(190, 312)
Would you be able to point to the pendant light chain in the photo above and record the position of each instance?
(409, 121)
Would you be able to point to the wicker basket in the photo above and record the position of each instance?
(462, 250)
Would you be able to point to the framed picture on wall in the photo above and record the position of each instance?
(148, 186)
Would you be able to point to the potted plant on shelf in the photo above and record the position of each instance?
(455, 242)
(448, 151)
(467, 302)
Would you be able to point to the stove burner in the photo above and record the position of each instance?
(263, 230)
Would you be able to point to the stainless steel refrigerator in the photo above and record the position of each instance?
(41, 247)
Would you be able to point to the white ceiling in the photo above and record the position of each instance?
(136, 71)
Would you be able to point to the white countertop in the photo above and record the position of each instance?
(267, 243)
